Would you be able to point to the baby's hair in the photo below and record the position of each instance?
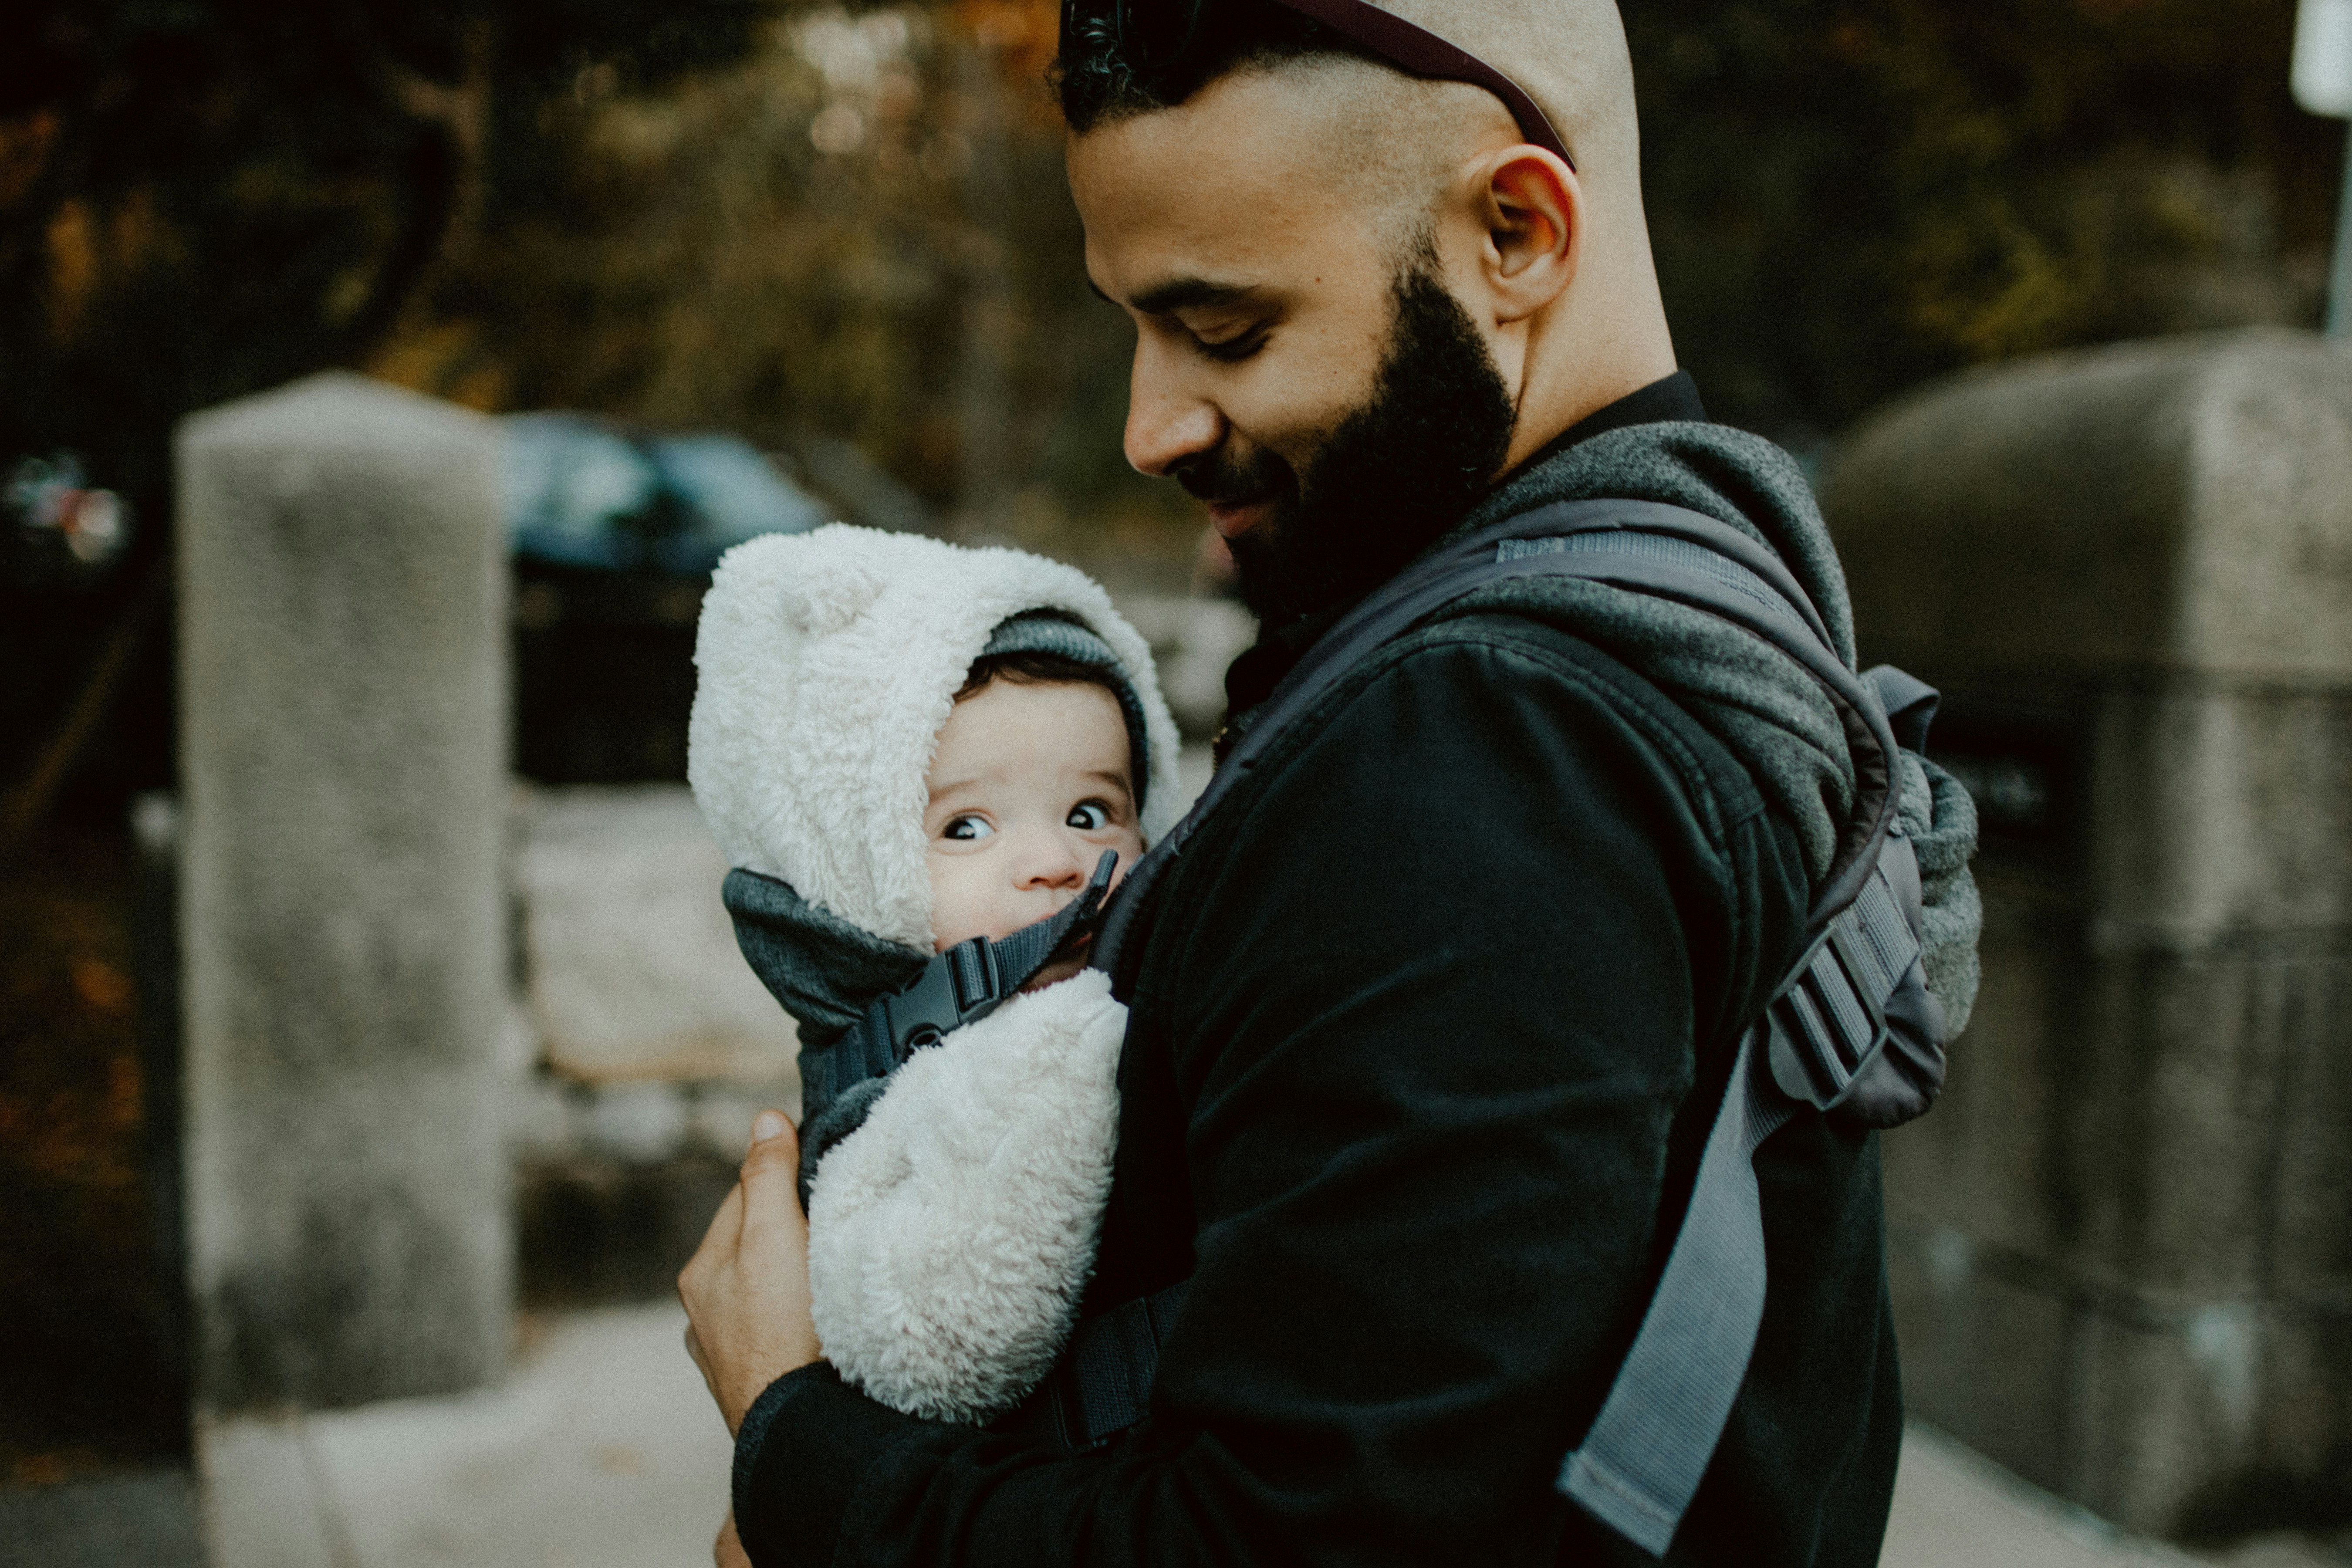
(1033, 668)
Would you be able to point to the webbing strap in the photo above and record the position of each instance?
(1642, 1461)
(966, 983)
(1102, 1385)
(1643, 1455)
(1666, 550)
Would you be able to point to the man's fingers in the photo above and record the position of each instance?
(774, 1146)
(728, 1551)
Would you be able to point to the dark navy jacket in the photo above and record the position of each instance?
(1426, 1037)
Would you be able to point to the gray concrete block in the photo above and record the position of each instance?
(2208, 805)
(342, 635)
(2184, 504)
(1990, 1161)
(1985, 1355)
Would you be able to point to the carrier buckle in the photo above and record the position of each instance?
(950, 988)
(1828, 1025)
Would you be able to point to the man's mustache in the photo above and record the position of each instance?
(1221, 480)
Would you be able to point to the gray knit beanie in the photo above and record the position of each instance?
(1045, 631)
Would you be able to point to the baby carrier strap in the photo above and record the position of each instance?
(965, 983)
(1851, 1031)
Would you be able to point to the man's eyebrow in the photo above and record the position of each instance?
(1182, 294)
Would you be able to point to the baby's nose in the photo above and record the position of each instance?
(1054, 865)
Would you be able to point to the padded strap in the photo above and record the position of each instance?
(1102, 1385)
(1830, 1016)
(1642, 1458)
(1643, 546)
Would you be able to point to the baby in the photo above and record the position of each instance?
(905, 746)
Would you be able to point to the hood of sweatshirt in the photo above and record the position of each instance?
(1759, 702)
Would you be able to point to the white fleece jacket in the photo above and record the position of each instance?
(951, 1235)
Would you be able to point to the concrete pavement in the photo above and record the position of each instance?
(603, 1451)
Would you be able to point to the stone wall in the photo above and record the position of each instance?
(2122, 1264)
(647, 1045)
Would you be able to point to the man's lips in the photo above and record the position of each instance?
(1233, 519)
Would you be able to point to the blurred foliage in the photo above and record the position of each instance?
(862, 228)
(1848, 195)
(93, 1377)
(202, 197)
(775, 217)
(756, 213)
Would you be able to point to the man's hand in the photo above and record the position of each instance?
(746, 1287)
(727, 1552)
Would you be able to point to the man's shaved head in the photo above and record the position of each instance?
(1568, 55)
(1361, 295)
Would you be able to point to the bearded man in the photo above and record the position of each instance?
(1435, 1011)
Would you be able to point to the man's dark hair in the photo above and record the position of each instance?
(1097, 81)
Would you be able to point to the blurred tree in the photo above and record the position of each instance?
(202, 198)
(1850, 195)
(862, 229)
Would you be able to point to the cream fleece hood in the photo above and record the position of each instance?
(825, 664)
(953, 1233)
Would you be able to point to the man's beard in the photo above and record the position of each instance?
(1392, 479)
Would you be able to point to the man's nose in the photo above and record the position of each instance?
(1166, 423)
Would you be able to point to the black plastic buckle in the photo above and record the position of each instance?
(939, 999)
(1820, 1071)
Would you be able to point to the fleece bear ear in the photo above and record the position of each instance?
(829, 598)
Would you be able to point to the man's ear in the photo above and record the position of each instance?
(1534, 211)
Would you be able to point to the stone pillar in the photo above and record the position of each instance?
(343, 669)
(2123, 1244)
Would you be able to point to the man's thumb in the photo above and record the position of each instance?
(772, 1162)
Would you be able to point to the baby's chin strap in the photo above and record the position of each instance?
(966, 983)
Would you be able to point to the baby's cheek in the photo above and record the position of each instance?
(955, 904)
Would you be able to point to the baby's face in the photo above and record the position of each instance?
(1029, 786)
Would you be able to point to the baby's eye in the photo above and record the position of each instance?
(967, 826)
(1088, 816)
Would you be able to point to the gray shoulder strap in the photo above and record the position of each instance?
(1641, 1459)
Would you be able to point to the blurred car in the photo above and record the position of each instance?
(585, 494)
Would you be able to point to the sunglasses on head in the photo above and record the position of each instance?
(1157, 34)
